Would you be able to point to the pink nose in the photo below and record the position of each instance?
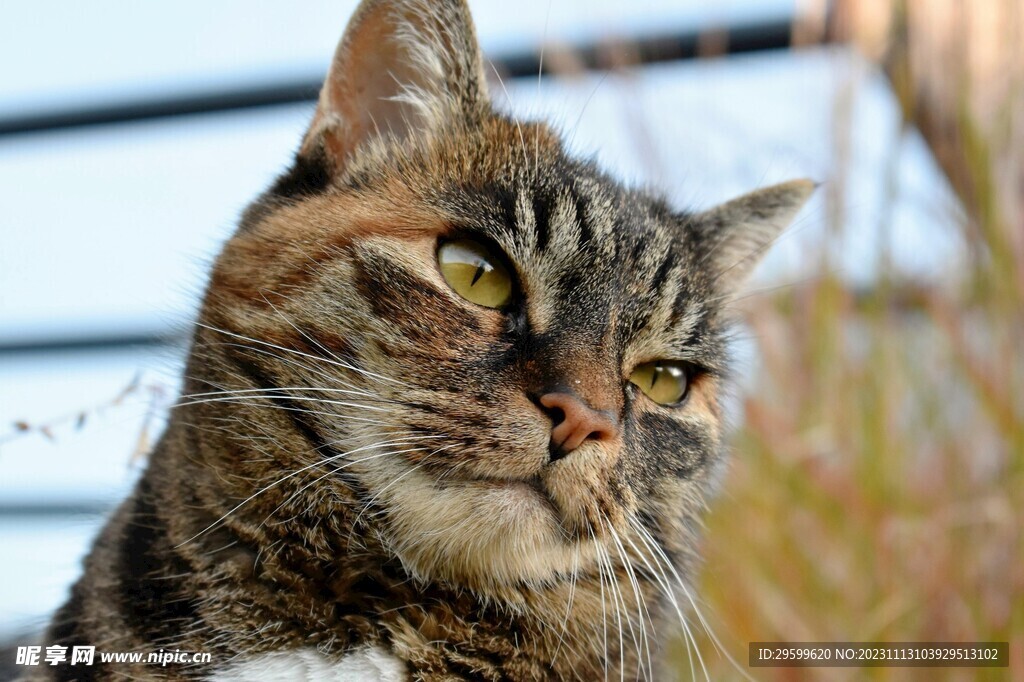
(575, 422)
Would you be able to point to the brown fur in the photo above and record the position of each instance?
(359, 456)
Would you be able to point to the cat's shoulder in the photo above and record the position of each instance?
(366, 664)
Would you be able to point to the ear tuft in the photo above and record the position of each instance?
(403, 69)
(736, 234)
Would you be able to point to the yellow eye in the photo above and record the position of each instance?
(662, 381)
(475, 273)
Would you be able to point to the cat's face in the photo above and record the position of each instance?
(513, 361)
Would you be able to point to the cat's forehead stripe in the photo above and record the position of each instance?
(541, 220)
(556, 216)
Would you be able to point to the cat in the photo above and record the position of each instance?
(452, 408)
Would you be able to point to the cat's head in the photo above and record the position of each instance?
(513, 361)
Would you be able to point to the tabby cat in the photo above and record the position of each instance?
(452, 408)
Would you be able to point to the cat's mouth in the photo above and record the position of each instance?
(530, 489)
(576, 509)
(531, 484)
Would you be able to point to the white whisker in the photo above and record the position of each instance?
(317, 389)
(333, 471)
(243, 400)
(337, 363)
(283, 408)
(291, 362)
(641, 604)
(522, 140)
(380, 492)
(568, 607)
(277, 483)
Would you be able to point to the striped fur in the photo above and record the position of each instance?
(359, 459)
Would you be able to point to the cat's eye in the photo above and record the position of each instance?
(663, 381)
(475, 273)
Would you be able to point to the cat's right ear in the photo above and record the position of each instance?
(403, 69)
(735, 235)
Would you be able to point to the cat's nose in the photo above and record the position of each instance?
(574, 422)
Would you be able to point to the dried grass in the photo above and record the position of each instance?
(877, 493)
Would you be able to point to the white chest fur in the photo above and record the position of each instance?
(369, 664)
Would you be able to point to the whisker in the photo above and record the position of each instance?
(522, 140)
(605, 558)
(662, 579)
(579, 119)
(301, 332)
(333, 471)
(568, 606)
(641, 603)
(292, 362)
(380, 492)
(540, 73)
(280, 396)
(604, 610)
(283, 408)
(318, 389)
(277, 483)
(318, 358)
(696, 609)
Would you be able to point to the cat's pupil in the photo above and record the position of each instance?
(480, 269)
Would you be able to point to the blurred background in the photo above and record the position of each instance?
(877, 487)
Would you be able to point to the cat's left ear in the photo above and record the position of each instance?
(404, 68)
(735, 235)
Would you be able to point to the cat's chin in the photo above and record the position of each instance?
(489, 536)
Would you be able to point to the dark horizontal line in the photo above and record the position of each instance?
(759, 37)
(98, 342)
(45, 509)
(739, 39)
(270, 94)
